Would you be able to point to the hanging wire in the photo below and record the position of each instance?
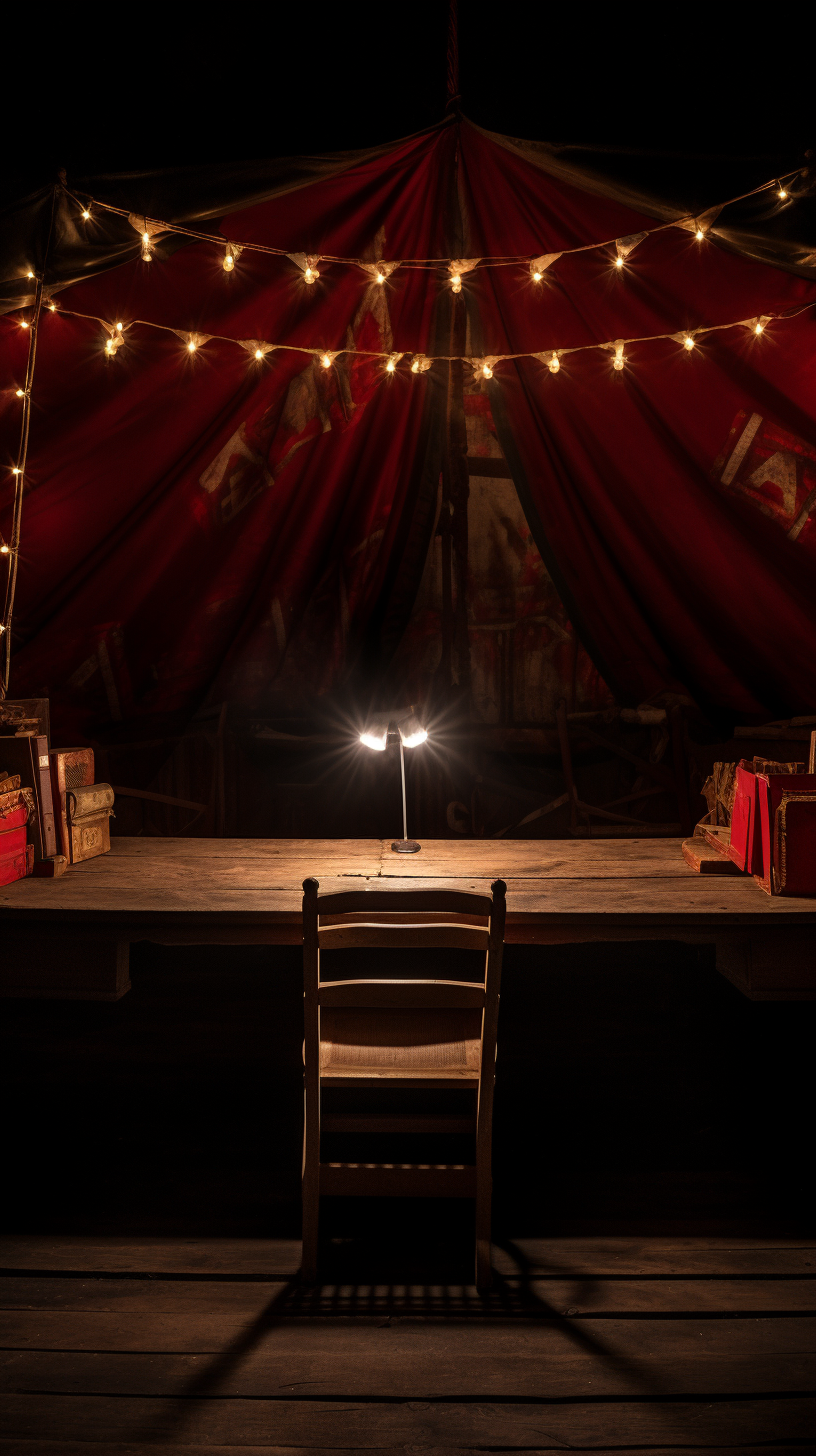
(19, 491)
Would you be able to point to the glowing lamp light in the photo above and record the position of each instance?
(20, 393)
(782, 194)
(4, 550)
(326, 361)
(554, 364)
(15, 470)
(536, 277)
(380, 277)
(86, 214)
(191, 346)
(411, 734)
(487, 373)
(456, 283)
(758, 326)
(29, 274)
(119, 328)
(688, 342)
(24, 323)
(52, 307)
(146, 238)
(229, 262)
(619, 360)
(619, 262)
(259, 353)
(310, 275)
(699, 235)
(110, 347)
(375, 739)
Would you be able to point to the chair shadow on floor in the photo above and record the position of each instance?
(354, 1290)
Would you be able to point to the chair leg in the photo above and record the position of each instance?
(311, 1198)
(484, 1270)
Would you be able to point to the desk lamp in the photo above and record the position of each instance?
(411, 733)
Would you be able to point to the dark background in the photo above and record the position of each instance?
(118, 89)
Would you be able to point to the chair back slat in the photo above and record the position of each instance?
(462, 902)
(412, 937)
(402, 995)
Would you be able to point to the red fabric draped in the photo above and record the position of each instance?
(211, 523)
(678, 582)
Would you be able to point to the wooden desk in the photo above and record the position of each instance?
(70, 937)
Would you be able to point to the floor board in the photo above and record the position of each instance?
(146, 1346)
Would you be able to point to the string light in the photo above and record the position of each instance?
(554, 364)
(229, 261)
(20, 393)
(620, 358)
(191, 346)
(487, 371)
(456, 283)
(688, 341)
(29, 274)
(15, 470)
(259, 353)
(326, 360)
(24, 324)
(4, 549)
(758, 327)
(147, 248)
(52, 307)
(420, 364)
(392, 362)
(619, 262)
(86, 214)
(699, 226)
(119, 328)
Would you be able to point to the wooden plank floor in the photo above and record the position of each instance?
(133, 1346)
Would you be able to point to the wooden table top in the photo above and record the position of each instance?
(557, 889)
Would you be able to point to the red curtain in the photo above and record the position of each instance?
(210, 523)
(678, 582)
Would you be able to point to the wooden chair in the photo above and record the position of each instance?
(370, 1033)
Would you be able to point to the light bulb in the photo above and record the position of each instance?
(15, 470)
(554, 364)
(259, 353)
(537, 277)
(229, 261)
(20, 393)
(487, 372)
(619, 361)
(145, 237)
(456, 283)
(782, 194)
(413, 740)
(390, 366)
(29, 274)
(376, 740)
(325, 360)
(380, 277)
(688, 342)
(85, 214)
(23, 323)
(2, 629)
(119, 328)
(619, 262)
(758, 327)
(4, 550)
(191, 346)
(109, 346)
(53, 307)
(310, 274)
(699, 235)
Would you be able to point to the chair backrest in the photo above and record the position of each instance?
(360, 919)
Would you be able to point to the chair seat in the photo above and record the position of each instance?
(371, 1044)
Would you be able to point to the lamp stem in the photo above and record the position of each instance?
(404, 810)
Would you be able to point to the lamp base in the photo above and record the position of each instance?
(406, 846)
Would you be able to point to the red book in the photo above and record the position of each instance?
(16, 855)
(745, 845)
(787, 818)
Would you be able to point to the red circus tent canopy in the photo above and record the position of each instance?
(193, 508)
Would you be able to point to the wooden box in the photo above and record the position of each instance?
(71, 768)
(89, 809)
(787, 821)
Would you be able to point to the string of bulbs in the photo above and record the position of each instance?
(380, 271)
